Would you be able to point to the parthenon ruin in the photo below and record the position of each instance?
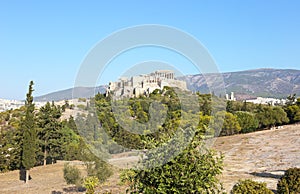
(145, 84)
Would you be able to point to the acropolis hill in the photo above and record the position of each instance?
(144, 84)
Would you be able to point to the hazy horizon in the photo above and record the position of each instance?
(98, 85)
(47, 42)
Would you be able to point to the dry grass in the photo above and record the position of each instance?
(44, 179)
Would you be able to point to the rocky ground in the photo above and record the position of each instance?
(261, 156)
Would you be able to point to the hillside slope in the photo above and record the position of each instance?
(259, 82)
(262, 156)
(78, 92)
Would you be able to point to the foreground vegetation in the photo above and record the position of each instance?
(92, 136)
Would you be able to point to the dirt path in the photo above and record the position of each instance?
(261, 156)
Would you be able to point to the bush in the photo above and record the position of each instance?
(81, 100)
(90, 183)
(289, 182)
(81, 106)
(250, 187)
(190, 172)
(99, 169)
(127, 176)
(72, 174)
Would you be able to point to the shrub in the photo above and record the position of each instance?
(190, 172)
(72, 174)
(81, 100)
(127, 176)
(81, 106)
(90, 183)
(99, 169)
(250, 187)
(289, 182)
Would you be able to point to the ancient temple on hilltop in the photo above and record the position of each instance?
(144, 84)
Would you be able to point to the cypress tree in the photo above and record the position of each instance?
(244, 107)
(29, 134)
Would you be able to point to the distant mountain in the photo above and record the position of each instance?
(78, 92)
(251, 83)
(277, 83)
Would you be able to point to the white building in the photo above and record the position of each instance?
(232, 98)
(15, 104)
(271, 101)
(10, 104)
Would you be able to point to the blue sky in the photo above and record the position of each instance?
(47, 41)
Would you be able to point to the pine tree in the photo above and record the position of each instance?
(229, 106)
(49, 132)
(244, 107)
(72, 125)
(29, 134)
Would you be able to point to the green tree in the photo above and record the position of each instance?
(206, 107)
(293, 113)
(50, 132)
(10, 150)
(244, 107)
(280, 115)
(96, 167)
(229, 106)
(247, 121)
(227, 123)
(291, 99)
(250, 187)
(298, 102)
(231, 125)
(11, 138)
(265, 117)
(70, 148)
(72, 125)
(192, 171)
(289, 183)
(29, 147)
(270, 116)
(204, 122)
(72, 175)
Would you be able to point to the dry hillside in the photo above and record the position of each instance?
(261, 156)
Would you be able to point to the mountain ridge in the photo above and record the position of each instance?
(264, 82)
(67, 94)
